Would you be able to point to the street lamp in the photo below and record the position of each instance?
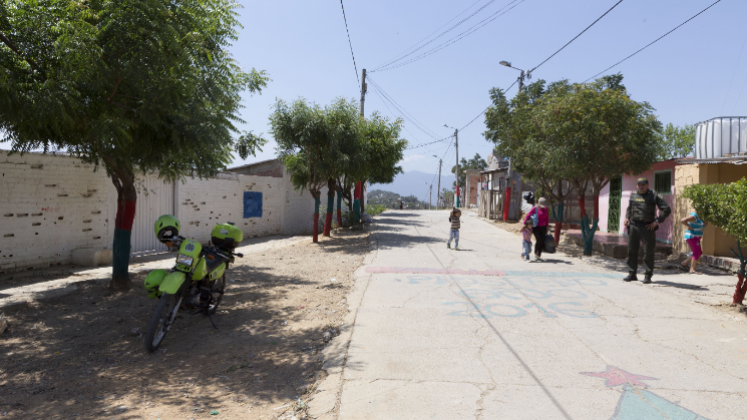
(527, 74)
(456, 142)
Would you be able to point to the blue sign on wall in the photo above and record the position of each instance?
(252, 204)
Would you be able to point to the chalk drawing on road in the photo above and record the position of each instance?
(637, 403)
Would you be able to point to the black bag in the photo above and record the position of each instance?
(549, 244)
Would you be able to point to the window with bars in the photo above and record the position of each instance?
(663, 182)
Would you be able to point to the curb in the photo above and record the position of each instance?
(325, 403)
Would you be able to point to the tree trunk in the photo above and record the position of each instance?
(339, 208)
(587, 231)
(315, 230)
(558, 216)
(357, 204)
(126, 202)
(330, 206)
(741, 289)
(363, 200)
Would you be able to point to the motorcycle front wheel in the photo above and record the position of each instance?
(161, 321)
(218, 288)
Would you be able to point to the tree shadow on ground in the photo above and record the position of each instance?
(83, 355)
(387, 240)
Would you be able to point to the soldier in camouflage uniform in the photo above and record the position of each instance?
(642, 224)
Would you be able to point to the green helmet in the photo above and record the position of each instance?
(167, 228)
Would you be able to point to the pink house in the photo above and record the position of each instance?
(613, 199)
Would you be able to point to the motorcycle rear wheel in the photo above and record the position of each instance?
(161, 321)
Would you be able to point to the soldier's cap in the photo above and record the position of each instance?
(642, 180)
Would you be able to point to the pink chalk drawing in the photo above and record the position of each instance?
(637, 403)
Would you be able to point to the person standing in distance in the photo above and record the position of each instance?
(642, 224)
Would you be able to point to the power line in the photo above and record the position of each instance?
(486, 109)
(736, 66)
(652, 43)
(574, 38)
(439, 28)
(349, 42)
(471, 30)
(403, 112)
(439, 35)
(376, 90)
(417, 146)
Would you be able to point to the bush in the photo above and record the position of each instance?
(375, 209)
(725, 206)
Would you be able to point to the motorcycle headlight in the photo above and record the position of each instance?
(184, 260)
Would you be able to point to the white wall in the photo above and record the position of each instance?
(52, 205)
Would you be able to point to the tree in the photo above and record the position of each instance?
(725, 206)
(538, 156)
(448, 197)
(130, 85)
(375, 157)
(300, 130)
(581, 133)
(607, 133)
(477, 162)
(677, 142)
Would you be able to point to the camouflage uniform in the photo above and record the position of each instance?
(641, 212)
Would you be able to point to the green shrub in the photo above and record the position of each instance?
(375, 209)
(725, 206)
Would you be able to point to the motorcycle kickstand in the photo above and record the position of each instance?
(210, 317)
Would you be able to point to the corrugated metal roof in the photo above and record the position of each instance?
(736, 160)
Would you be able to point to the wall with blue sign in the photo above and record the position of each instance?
(252, 204)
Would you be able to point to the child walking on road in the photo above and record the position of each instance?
(693, 236)
(455, 225)
(526, 233)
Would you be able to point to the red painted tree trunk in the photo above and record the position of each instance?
(558, 226)
(121, 246)
(741, 290)
(507, 204)
(582, 204)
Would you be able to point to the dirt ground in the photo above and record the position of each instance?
(83, 357)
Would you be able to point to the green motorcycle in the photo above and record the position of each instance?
(197, 281)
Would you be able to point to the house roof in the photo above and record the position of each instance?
(733, 160)
(249, 165)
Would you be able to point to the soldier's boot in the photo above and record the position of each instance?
(647, 279)
(631, 277)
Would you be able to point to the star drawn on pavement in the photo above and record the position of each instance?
(616, 376)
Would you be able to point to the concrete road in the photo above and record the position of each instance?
(479, 333)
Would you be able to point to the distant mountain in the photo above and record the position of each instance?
(416, 183)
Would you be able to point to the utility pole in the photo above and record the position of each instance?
(430, 199)
(364, 88)
(438, 191)
(521, 79)
(456, 138)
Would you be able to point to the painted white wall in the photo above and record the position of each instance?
(52, 205)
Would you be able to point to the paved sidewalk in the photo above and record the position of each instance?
(479, 333)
